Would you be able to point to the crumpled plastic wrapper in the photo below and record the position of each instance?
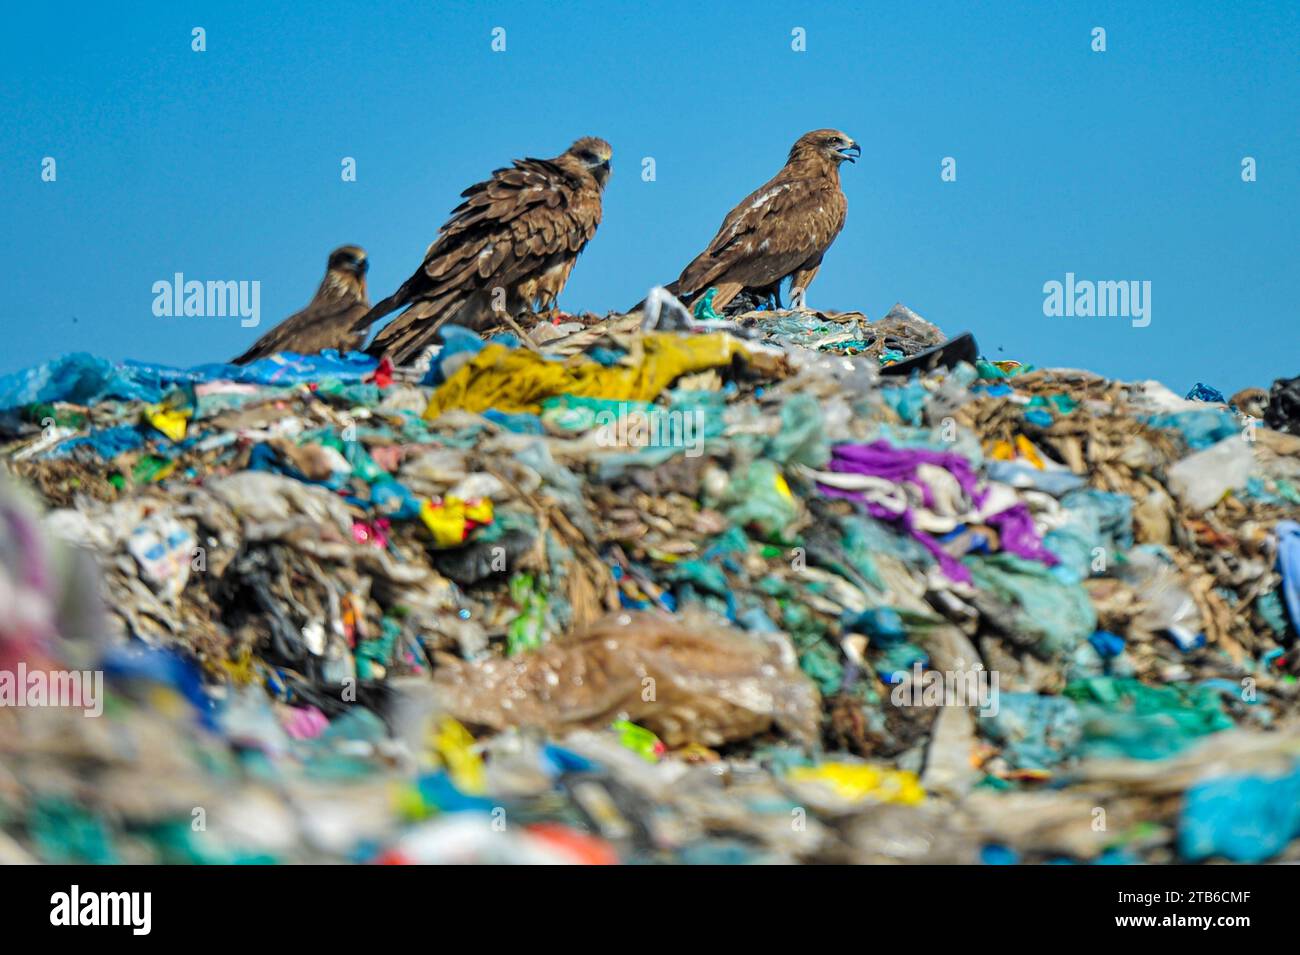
(686, 682)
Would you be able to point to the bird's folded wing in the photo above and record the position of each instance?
(781, 218)
(322, 324)
(508, 224)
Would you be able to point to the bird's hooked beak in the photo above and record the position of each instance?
(360, 268)
(851, 152)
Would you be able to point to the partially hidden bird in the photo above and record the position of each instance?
(780, 230)
(331, 319)
(508, 248)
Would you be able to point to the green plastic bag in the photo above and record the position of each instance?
(1032, 606)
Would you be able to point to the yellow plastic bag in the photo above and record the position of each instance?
(454, 747)
(169, 421)
(513, 380)
(1023, 449)
(860, 782)
(451, 519)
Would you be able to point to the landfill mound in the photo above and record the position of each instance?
(788, 586)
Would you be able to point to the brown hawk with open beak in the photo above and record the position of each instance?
(780, 230)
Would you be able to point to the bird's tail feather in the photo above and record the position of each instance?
(388, 305)
(403, 338)
(247, 356)
(407, 346)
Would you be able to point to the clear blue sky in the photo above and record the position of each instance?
(225, 164)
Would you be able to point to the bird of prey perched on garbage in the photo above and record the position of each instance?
(330, 319)
(508, 247)
(781, 229)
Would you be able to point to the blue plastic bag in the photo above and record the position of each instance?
(107, 442)
(287, 368)
(78, 378)
(1199, 428)
(1288, 565)
(1242, 818)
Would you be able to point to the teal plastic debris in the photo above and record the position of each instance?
(374, 656)
(1098, 530)
(1199, 428)
(576, 414)
(1036, 732)
(760, 498)
(1240, 818)
(1030, 604)
(883, 625)
(703, 310)
(1126, 717)
(800, 439)
(908, 401)
(66, 834)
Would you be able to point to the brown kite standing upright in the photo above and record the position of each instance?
(782, 229)
(331, 319)
(510, 246)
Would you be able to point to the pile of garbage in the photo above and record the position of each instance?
(791, 586)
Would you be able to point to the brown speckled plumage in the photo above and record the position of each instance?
(519, 231)
(781, 229)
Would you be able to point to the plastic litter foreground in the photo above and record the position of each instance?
(676, 589)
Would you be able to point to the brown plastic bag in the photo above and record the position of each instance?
(685, 681)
